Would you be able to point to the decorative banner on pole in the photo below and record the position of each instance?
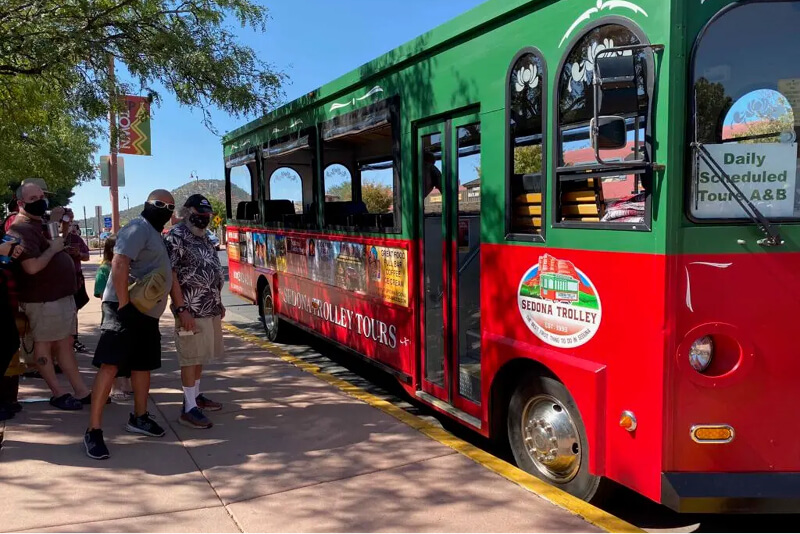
(134, 126)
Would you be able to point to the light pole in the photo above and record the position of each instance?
(127, 201)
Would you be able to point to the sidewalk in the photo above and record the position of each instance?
(288, 453)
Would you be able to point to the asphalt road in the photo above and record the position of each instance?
(624, 504)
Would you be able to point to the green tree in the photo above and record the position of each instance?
(219, 210)
(527, 160)
(378, 197)
(55, 88)
(343, 190)
(711, 103)
(43, 135)
(182, 45)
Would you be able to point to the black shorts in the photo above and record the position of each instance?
(132, 346)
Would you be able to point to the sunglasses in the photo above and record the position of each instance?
(161, 204)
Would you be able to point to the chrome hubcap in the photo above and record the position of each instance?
(269, 314)
(551, 438)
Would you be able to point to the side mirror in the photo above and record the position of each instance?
(616, 96)
(608, 133)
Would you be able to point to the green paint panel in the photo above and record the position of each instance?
(464, 64)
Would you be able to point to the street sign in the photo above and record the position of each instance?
(107, 222)
(98, 215)
(105, 171)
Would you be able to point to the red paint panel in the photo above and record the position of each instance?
(620, 367)
(748, 303)
(361, 323)
(242, 280)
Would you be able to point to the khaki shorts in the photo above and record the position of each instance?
(52, 321)
(204, 346)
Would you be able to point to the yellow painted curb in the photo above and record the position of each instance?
(562, 499)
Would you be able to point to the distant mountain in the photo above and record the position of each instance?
(208, 188)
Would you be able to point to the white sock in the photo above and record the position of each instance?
(197, 388)
(189, 398)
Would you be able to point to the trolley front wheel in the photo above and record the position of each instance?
(548, 439)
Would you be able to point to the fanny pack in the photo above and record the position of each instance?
(146, 292)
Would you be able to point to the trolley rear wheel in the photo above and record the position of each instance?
(273, 327)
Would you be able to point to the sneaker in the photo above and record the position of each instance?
(195, 418)
(66, 402)
(95, 445)
(80, 347)
(121, 397)
(144, 424)
(207, 405)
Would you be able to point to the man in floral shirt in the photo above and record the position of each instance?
(197, 304)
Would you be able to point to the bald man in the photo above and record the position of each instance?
(47, 285)
(130, 340)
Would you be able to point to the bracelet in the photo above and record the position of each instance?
(181, 309)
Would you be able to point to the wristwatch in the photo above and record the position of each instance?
(181, 309)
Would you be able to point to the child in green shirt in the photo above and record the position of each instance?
(104, 271)
(120, 392)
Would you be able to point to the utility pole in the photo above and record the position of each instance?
(113, 190)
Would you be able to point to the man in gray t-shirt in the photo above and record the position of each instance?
(130, 339)
(145, 246)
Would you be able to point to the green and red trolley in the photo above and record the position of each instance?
(545, 219)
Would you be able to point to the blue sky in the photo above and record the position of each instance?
(313, 41)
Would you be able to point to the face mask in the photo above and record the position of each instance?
(158, 217)
(37, 208)
(198, 221)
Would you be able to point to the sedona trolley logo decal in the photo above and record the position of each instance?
(559, 303)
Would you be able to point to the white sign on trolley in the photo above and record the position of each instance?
(765, 173)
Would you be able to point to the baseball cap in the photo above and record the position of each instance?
(200, 203)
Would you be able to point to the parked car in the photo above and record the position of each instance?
(214, 239)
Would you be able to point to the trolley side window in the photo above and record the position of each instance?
(361, 153)
(285, 193)
(290, 173)
(525, 188)
(747, 114)
(595, 187)
(241, 188)
(338, 183)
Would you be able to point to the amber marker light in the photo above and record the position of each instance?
(628, 421)
(712, 433)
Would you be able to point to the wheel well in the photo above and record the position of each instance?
(260, 285)
(503, 386)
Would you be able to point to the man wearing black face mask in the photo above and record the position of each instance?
(197, 304)
(130, 340)
(47, 285)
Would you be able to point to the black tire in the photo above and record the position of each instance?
(273, 327)
(540, 395)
